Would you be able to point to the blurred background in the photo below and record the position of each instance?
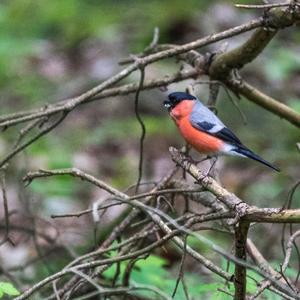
(52, 50)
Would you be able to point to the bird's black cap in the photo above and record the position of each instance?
(177, 97)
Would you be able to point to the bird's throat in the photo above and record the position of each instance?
(182, 110)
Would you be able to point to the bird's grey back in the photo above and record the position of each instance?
(202, 114)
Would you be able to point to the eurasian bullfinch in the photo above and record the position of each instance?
(204, 131)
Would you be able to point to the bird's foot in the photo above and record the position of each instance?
(190, 160)
(197, 161)
(211, 170)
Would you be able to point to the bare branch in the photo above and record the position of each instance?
(5, 208)
(143, 128)
(21, 147)
(289, 249)
(241, 209)
(264, 6)
(241, 231)
(253, 94)
(70, 104)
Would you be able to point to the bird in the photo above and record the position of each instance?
(204, 131)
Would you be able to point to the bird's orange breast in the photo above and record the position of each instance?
(201, 141)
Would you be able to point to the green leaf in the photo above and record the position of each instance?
(56, 186)
(149, 270)
(283, 62)
(269, 295)
(294, 103)
(220, 296)
(110, 272)
(208, 287)
(8, 288)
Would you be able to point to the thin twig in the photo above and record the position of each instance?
(181, 272)
(5, 208)
(143, 128)
(288, 252)
(263, 6)
(85, 97)
(138, 196)
(21, 147)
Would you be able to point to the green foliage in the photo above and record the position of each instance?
(294, 104)
(266, 191)
(283, 62)
(252, 279)
(61, 157)
(252, 282)
(153, 272)
(26, 25)
(55, 186)
(8, 289)
(121, 128)
(31, 29)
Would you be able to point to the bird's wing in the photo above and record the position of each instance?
(202, 118)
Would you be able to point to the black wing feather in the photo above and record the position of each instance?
(205, 120)
(205, 126)
(224, 134)
(228, 136)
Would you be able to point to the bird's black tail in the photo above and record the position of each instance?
(252, 155)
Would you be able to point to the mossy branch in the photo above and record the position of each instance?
(275, 19)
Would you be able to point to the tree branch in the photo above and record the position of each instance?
(240, 282)
(70, 104)
(275, 19)
(242, 210)
(251, 93)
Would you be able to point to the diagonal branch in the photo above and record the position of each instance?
(242, 210)
(275, 19)
(253, 94)
(70, 104)
(242, 55)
